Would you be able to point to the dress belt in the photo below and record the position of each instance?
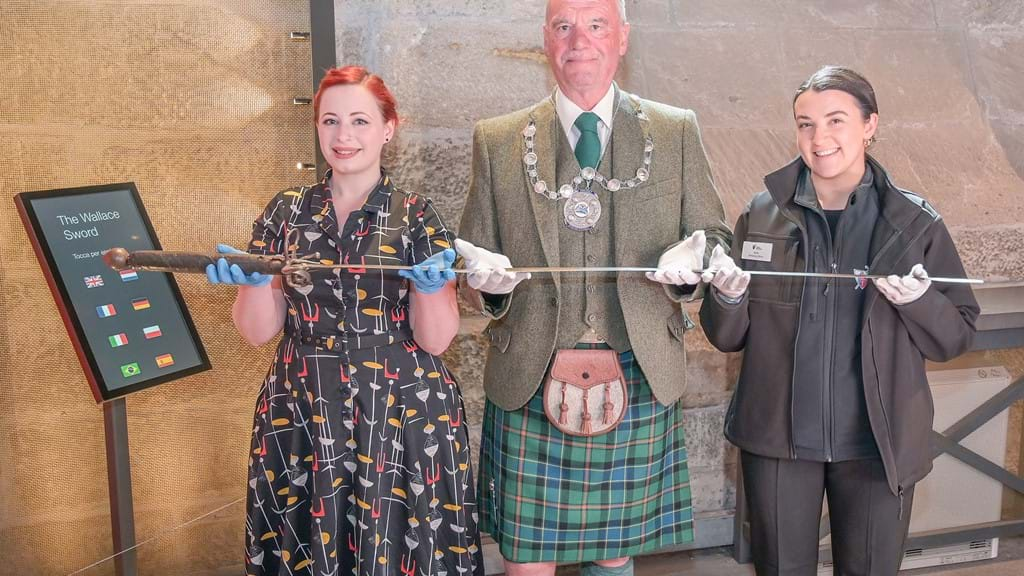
(351, 340)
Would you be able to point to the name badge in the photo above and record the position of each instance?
(757, 251)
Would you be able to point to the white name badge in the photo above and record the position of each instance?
(757, 251)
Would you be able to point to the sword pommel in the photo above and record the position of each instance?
(117, 258)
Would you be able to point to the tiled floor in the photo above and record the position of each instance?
(719, 562)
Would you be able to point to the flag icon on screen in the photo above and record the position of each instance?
(140, 303)
(151, 332)
(129, 370)
(128, 275)
(106, 311)
(164, 360)
(118, 340)
(93, 281)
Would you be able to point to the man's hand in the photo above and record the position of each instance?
(682, 263)
(906, 289)
(488, 270)
(723, 273)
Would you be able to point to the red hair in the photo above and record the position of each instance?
(357, 75)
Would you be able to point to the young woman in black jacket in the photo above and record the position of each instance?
(832, 397)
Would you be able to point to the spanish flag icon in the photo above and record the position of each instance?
(164, 360)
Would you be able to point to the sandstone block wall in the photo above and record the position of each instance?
(948, 75)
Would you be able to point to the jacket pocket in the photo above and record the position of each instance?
(655, 191)
(771, 253)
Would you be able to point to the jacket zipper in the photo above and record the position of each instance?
(817, 297)
(828, 393)
(900, 491)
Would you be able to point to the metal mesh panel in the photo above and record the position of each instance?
(190, 99)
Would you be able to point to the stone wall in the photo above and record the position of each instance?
(949, 76)
(191, 100)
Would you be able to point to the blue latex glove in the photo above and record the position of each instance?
(433, 273)
(223, 273)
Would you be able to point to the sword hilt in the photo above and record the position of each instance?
(170, 261)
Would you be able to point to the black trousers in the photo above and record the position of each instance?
(868, 527)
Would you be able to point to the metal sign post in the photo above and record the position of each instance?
(119, 481)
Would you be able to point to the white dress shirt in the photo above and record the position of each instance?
(568, 112)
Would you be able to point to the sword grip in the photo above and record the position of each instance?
(170, 261)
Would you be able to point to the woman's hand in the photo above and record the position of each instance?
(224, 273)
(723, 273)
(433, 273)
(902, 290)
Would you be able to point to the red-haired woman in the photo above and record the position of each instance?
(360, 458)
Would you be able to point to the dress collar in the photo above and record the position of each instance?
(376, 200)
(568, 111)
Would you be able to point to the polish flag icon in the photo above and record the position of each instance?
(151, 332)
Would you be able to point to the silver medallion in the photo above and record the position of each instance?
(582, 210)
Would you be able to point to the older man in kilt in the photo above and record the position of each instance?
(583, 456)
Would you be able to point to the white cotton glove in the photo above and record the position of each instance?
(487, 270)
(723, 273)
(905, 289)
(682, 263)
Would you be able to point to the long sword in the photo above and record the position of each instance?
(297, 269)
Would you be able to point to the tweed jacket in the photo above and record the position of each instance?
(504, 214)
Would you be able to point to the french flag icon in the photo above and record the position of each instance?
(106, 311)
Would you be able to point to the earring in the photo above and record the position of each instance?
(869, 142)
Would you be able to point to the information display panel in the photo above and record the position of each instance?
(130, 329)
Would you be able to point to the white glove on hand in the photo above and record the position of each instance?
(487, 270)
(682, 263)
(723, 273)
(906, 289)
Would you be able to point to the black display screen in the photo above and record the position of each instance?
(131, 329)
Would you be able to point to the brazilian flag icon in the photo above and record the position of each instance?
(129, 370)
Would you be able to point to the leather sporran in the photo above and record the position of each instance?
(585, 394)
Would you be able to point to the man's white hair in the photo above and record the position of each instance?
(622, 10)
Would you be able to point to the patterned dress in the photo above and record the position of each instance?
(360, 459)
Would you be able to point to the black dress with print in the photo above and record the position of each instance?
(360, 459)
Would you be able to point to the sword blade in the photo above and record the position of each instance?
(585, 269)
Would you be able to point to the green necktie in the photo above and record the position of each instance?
(588, 148)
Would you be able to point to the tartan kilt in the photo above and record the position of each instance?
(546, 496)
